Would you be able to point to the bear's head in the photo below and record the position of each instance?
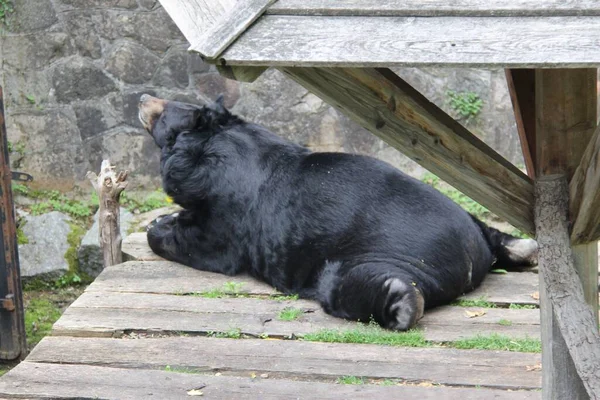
(165, 120)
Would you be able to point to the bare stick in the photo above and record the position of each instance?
(109, 186)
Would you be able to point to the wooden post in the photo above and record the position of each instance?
(565, 121)
(12, 326)
(109, 186)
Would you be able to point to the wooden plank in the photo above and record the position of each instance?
(502, 289)
(135, 248)
(241, 74)
(82, 381)
(390, 108)
(436, 8)
(195, 17)
(229, 27)
(277, 40)
(576, 321)
(111, 313)
(521, 86)
(584, 192)
(292, 359)
(506, 289)
(449, 324)
(170, 277)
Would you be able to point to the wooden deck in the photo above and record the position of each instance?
(142, 330)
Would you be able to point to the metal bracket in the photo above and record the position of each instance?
(21, 176)
(8, 303)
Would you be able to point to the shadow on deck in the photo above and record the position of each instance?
(154, 329)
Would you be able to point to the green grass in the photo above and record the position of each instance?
(480, 302)
(3, 370)
(370, 334)
(350, 380)
(149, 202)
(40, 315)
(182, 370)
(283, 297)
(229, 289)
(499, 342)
(522, 307)
(505, 322)
(290, 314)
(234, 333)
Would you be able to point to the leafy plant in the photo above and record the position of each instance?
(30, 98)
(466, 104)
(6, 7)
(152, 201)
(290, 314)
(480, 302)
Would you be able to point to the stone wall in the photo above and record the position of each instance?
(73, 70)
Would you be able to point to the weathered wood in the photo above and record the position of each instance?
(501, 289)
(111, 313)
(173, 278)
(277, 40)
(521, 86)
(109, 186)
(241, 74)
(390, 108)
(506, 289)
(12, 328)
(436, 8)
(565, 117)
(293, 359)
(584, 191)
(82, 381)
(573, 320)
(195, 17)
(228, 27)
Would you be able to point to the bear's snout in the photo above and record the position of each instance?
(150, 109)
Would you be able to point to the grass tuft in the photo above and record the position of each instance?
(290, 314)
(505, 322)
(40, 315)
(498, 342)
(370, 334)
(522, 307)
(480, 302)
(350, 380)
(234, 333)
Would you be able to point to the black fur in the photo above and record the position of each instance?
(350, 231)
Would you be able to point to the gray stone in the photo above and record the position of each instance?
(45, 252)
(71, 4)
(172, 70)
(198, 66)
(89, 254)
(53, 147)
(36, 51)
(82, 29)
(31, 16)
(94, 118)
(131, 63)
(79, 80)
(148, 4)
(22, 87)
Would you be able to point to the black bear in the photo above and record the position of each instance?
(352, 232)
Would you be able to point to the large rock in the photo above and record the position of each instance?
(89, 254)
(44, 254)
(131, 63)
(80, 80)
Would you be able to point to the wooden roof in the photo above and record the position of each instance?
(361, 33)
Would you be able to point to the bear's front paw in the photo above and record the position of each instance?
(162, 219)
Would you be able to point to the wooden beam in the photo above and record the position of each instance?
(585, 195)
(573, 324)
(390, 108)
(565, 121)
(195, 17)
(230, 25)
(12, 326)
(241, 74)
(308, 41)
(521, 86)
(437, 8)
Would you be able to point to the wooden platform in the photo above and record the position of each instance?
(150, 329)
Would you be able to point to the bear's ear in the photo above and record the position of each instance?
(200, 117)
